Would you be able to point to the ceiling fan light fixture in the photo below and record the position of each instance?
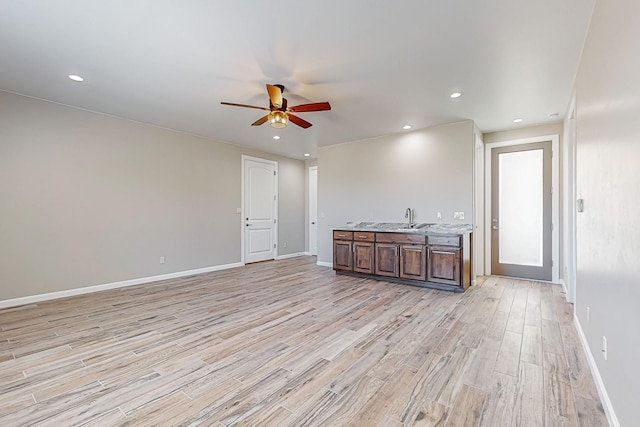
(278, 119)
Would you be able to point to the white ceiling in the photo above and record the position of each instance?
(380, 64)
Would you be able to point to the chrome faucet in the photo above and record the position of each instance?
(409, 214)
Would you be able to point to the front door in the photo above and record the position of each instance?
(260, 208)
(521, 211)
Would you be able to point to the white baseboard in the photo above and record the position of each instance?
(564, 286)
(89, 289)
(324, 264)
(297, 254)
(602, 391)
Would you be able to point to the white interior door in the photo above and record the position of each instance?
(313, 210)
(260, 209)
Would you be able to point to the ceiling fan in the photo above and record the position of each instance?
(279, 113)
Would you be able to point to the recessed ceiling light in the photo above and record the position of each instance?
(406, 127)
(518, 120)
(276, 137)
(307, 154)
(75, 77)
(456, 95)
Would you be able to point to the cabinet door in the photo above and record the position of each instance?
(363, 257)
(413, 262)
(387, 259)
(342, 255)
(444, 266)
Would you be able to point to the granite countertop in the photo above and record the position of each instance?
(402, 227)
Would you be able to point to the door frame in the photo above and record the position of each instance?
(569, 245)
(555, 199)
(310, 252)
(243, 158)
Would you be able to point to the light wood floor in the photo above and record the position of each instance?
(288, 343)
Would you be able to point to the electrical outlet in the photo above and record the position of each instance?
(588, 315)
(238, 210)
(604, 347)
(161, 260)
(439, 215)
(284, 245)
(458, 215)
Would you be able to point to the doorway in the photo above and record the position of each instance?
(259, 209)
(522, 210)
(313, 210)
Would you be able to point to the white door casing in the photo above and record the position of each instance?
(313, 210)
(259, 210)
(478, 215)
(555, 214)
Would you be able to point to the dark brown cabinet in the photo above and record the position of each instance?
(342, 250)
(444, 265)
(387, 259)
(413, 262)
(363, 257)
(441, 261)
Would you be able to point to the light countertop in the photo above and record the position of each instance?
(402, 227)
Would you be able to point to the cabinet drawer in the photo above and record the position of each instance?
(444, 240)
(418, 239)
(342, 235)
(363, 236)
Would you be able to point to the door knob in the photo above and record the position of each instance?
(494, 227)
(313, 222)
(248, 225)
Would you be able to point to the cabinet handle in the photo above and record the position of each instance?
(443, 253)
(412, 250)
(341, 235)
(363, 237)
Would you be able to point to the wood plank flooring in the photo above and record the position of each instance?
(288, 343)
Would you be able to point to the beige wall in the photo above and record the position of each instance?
(89, 199)
(429, 170)
(608, 179)
(554, 128)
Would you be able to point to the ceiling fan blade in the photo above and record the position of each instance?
(305, 108)
(275, 94)
(260, 121)
(244, 105)
(298, 121)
